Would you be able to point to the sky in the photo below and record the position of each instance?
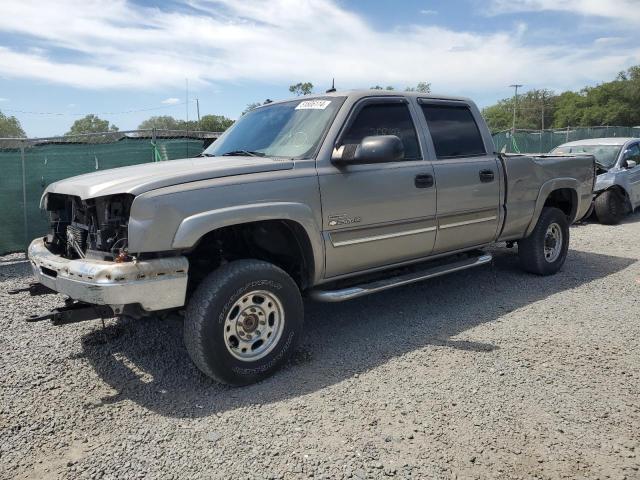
(127, 60)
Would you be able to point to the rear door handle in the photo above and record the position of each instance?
(486, 176)
(424, 180)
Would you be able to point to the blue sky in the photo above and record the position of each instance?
(128, 60)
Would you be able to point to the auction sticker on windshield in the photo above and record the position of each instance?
(313, 105)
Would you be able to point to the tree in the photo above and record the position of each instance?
(215, 123)
(91, 124)
(529, 111)
(10, 127)
(162, 122)
(422, 87)
(301, 88)
(253, 105)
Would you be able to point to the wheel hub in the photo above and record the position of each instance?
(552, 243)
(254, 325)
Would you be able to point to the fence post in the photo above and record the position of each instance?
(567, 137)
(24, 196)
(153, 144)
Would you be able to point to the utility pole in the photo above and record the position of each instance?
(542, 122)
(198, 110)
(515, 106)
(186, 103)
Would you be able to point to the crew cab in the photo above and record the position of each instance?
(330, 197)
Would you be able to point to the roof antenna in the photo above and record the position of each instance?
(333, 86)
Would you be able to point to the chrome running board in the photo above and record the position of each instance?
(417, 275)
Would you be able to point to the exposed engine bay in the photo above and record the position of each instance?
(93, 228)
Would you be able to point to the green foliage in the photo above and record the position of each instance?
(528, 113)
(422, 87)
(610, 103)
(162, 122)
(209, 123)
(10, 127)
(215, 123)
(91, 124)
(305, 88)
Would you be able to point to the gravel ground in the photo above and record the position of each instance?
(488, 373)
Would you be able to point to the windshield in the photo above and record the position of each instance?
(290, 129)
(606, 155)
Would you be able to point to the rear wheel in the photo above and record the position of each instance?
(545, 250)
(243, 322)
(609, 207)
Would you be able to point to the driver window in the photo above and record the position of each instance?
(385, 119)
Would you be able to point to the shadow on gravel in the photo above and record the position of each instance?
(146, 362)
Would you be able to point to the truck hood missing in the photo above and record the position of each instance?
(138, 179)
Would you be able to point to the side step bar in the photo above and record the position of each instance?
(362, 289)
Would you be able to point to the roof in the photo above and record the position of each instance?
(373, 93)
(600, 141)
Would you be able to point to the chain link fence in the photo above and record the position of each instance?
(542, 141)
(28, 165)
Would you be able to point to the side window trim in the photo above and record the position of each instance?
(381, 100)
(456, 104)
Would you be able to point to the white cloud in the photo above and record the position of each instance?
(429, 12)
(625, 10)
(3, 99)
(170, 101)
(124, 45)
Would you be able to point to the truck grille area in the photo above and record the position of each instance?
(95, 226)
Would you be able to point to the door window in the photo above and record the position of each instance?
(453, 130)
(385, 119)
(633, 153)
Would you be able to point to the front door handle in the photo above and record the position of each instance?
(424, 180)
(486, 176)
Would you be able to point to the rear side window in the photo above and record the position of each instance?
(385, 119)
(453, 130)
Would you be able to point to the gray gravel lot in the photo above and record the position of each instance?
(488, 373)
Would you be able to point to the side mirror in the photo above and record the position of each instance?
(630, 163)
(374, 149)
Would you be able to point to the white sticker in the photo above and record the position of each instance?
(313, 105)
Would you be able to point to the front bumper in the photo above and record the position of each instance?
(156, 284)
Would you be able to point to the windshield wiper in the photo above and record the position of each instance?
(243, 153)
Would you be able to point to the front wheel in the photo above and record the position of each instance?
(609, 207)
(545, 250)
(243, 322)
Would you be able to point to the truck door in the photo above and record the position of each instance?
(383, 213)
(467, 176)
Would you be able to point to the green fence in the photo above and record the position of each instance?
(28, 166)
(536, 141)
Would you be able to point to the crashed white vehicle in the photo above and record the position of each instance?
(617, 188)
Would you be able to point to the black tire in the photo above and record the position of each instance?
(209, 329)
(531, 250)
(609, 207)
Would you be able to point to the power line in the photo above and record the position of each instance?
(12, 110)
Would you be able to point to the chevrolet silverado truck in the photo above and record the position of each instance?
(330, 197)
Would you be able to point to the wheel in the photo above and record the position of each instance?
(545, 250)
(609, 207)
(243, 322)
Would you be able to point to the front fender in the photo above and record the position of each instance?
(194, 227)
(546, 189)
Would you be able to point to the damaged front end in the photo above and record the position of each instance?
(85, 256)
(92, 228)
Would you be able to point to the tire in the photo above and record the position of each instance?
(609, 207)
(545, 250)
(236, 307)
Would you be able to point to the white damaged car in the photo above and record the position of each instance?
(617, 188)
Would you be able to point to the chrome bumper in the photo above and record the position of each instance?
(154, 284)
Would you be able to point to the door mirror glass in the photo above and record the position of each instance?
(630, 164)
(373, 149)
